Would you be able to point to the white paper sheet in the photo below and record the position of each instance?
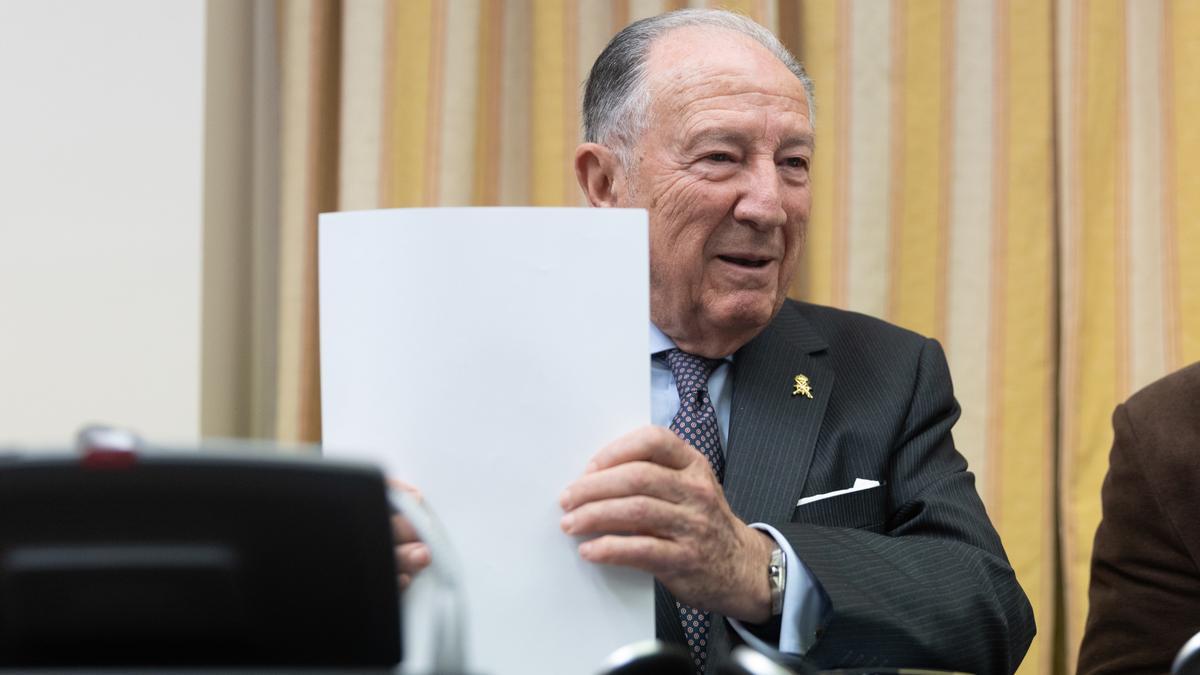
(485, 355)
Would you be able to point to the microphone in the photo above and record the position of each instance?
(1187, 661)
(648, 657)
(745, 661)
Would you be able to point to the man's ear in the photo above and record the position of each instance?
(599, 174)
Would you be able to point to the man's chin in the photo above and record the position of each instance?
(738, 315)
(718, 326)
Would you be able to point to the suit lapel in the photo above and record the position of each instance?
(772, 432)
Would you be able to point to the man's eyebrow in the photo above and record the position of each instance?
(715, 134)
(806, 140)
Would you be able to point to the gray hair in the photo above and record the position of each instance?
(616, 95)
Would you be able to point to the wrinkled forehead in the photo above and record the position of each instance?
(695, 62)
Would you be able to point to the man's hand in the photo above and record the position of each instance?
(412, 555)
(657, 506)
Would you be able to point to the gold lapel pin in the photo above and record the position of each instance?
(803, 388)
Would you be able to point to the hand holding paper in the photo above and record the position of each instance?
(412, 555)
(656, 506)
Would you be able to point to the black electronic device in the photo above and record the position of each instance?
(189, 559)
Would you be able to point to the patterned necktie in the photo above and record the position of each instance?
(696, 423)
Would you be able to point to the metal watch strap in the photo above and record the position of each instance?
(777, 578)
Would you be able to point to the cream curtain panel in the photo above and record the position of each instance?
(1017, 178)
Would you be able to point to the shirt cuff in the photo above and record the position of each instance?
(806, 606)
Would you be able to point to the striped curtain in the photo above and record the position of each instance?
(1129, 233)
(1013, 177)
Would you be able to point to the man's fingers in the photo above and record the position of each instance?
(412, 555)
(405, 536)
(633, 478)
(412, 558)
(647, 444)
(649, 554)
(397, 484)
(402, 530)
(637, 514)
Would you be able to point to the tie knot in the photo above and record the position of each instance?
(691, 372)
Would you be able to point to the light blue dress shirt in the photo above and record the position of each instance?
(804, 604)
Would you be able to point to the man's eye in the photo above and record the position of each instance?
(720, 157)
(797, 162)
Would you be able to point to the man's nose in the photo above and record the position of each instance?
(760, 204)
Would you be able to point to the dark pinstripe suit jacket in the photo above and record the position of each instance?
(914, 569)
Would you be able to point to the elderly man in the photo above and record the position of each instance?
(703, 119)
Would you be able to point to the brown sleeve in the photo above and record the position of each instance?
(1145, 586)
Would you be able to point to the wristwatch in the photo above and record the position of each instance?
(777, 578)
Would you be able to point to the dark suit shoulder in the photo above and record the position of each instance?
(1156, 435)
(835, 325)
(1166, 408)
(862, 344)
(1158, 430)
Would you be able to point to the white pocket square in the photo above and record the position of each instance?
(859, 484)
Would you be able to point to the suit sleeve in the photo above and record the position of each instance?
(932, 588)
(1144, 584)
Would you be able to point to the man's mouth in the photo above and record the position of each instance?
(752, 262)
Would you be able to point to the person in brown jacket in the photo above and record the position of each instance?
(1145, 588)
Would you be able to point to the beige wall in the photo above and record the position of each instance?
(102, 209)
(239, 211)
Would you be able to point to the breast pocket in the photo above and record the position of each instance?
(861, 509)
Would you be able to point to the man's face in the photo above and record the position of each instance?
(723, 169)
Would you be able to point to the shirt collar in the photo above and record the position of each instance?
(659, 342)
